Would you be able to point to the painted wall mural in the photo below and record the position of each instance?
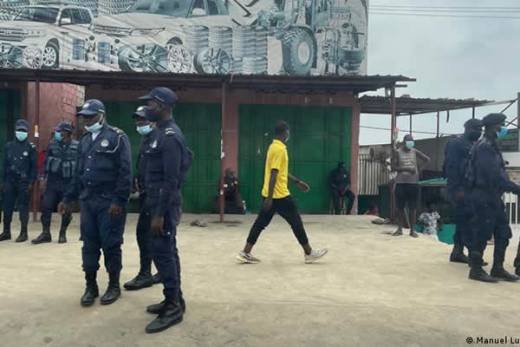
(280, 37)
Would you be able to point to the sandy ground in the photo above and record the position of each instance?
(371, 290)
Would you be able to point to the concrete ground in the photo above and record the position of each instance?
(371, 290)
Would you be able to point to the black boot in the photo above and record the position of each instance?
(65, 221)
(477, 273)
(113, 291)
(458, 256)
(500, 273)
(91, 291)
(157, 308)
(6, 235)
(170, 315)
(23, 234)
(517, 265)
(44, 237)
(143, 279)
(156, 278)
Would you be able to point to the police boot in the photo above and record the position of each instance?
(477, 273)
(6, 235)
(113, 291)
(91, 290)
(65, 221)
(516, 264)
(23, 234)
(500, 273)
(143, 279)
(45, 236)
(458, 256)
(170, 314)
(157, 308)
(156, 278)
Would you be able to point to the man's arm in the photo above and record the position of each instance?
(32, 165)
(487, 164)
(124, 177)
(422, 156)
(171, 159)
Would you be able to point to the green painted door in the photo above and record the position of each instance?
(200, 124)
(10, 109)
(320, 137)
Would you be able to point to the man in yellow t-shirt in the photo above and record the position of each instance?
(277, 199)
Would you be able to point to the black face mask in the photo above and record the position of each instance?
(474, 135)
(153, 115)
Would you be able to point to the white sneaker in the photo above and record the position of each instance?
(247, 258)
(315, 255)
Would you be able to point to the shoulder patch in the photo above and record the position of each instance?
(169, 131)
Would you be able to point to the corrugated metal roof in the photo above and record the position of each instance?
(406, 105)
(272, 83)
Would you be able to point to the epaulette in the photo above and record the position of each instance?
(32, 145)
(169, 131)
(116, 129)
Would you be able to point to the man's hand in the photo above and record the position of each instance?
(304, 187)
(30, 187)
(157, 226)
(268, 204)
(64, 208)
(459, 196)
(115, 210)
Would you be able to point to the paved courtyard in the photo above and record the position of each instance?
(371, 290)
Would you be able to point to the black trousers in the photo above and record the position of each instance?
(287, 209)
(16, 191)
(144, 238)
(336, 200)
(51, 198)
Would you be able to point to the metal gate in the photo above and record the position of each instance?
(371, 174)
(512, 208)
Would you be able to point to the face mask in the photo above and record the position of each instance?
(502, 133)
(96, 127)
(144, 129)
(21, 135)
(153, 115)
(58, 136)
(410, 144)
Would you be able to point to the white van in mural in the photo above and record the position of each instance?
(288, 37)
(41, 37)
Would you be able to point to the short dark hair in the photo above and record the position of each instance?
(281, 127)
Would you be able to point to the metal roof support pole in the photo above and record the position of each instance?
(473, 112)
(518, 110)
(36, 186)
(411, 126)
(393, 146)
(438, 124)
(221, 202)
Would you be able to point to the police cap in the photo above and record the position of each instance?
(163, 95)
(473, 123)
(21, 124)
(91, 108)
(140, 112)
(65, 126)
(493, 119)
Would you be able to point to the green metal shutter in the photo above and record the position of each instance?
(200, 124)
(320, 137)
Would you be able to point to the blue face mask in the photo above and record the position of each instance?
(58, 136)
(410, 144)
(503, 132)
(96, 127)
(144, 129)
(21, 135)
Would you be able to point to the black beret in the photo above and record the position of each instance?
(493, 119)
(473, 123)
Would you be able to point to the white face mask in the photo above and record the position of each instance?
(96, 127)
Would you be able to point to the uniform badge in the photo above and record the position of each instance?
(25, 154)
(104, 143)
(154, 144)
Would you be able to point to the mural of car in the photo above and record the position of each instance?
(167, 36)
(41, 37)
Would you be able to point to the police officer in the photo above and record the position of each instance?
(102, 182)
(456, 156)
(488, 180)
(144, 278)
(60, 166)
(19, 177)
(167, 161)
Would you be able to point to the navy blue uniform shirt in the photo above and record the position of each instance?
(19, 161)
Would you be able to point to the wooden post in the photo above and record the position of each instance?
(438, 124)
(36, 128)
(473, 112)
(221, 201)
(411, 126)
(391, 185)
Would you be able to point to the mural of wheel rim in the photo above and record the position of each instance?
(179, 59)
(49, 57)
(32, 57)
(304, 52)
(148, 61)
(214, 61)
